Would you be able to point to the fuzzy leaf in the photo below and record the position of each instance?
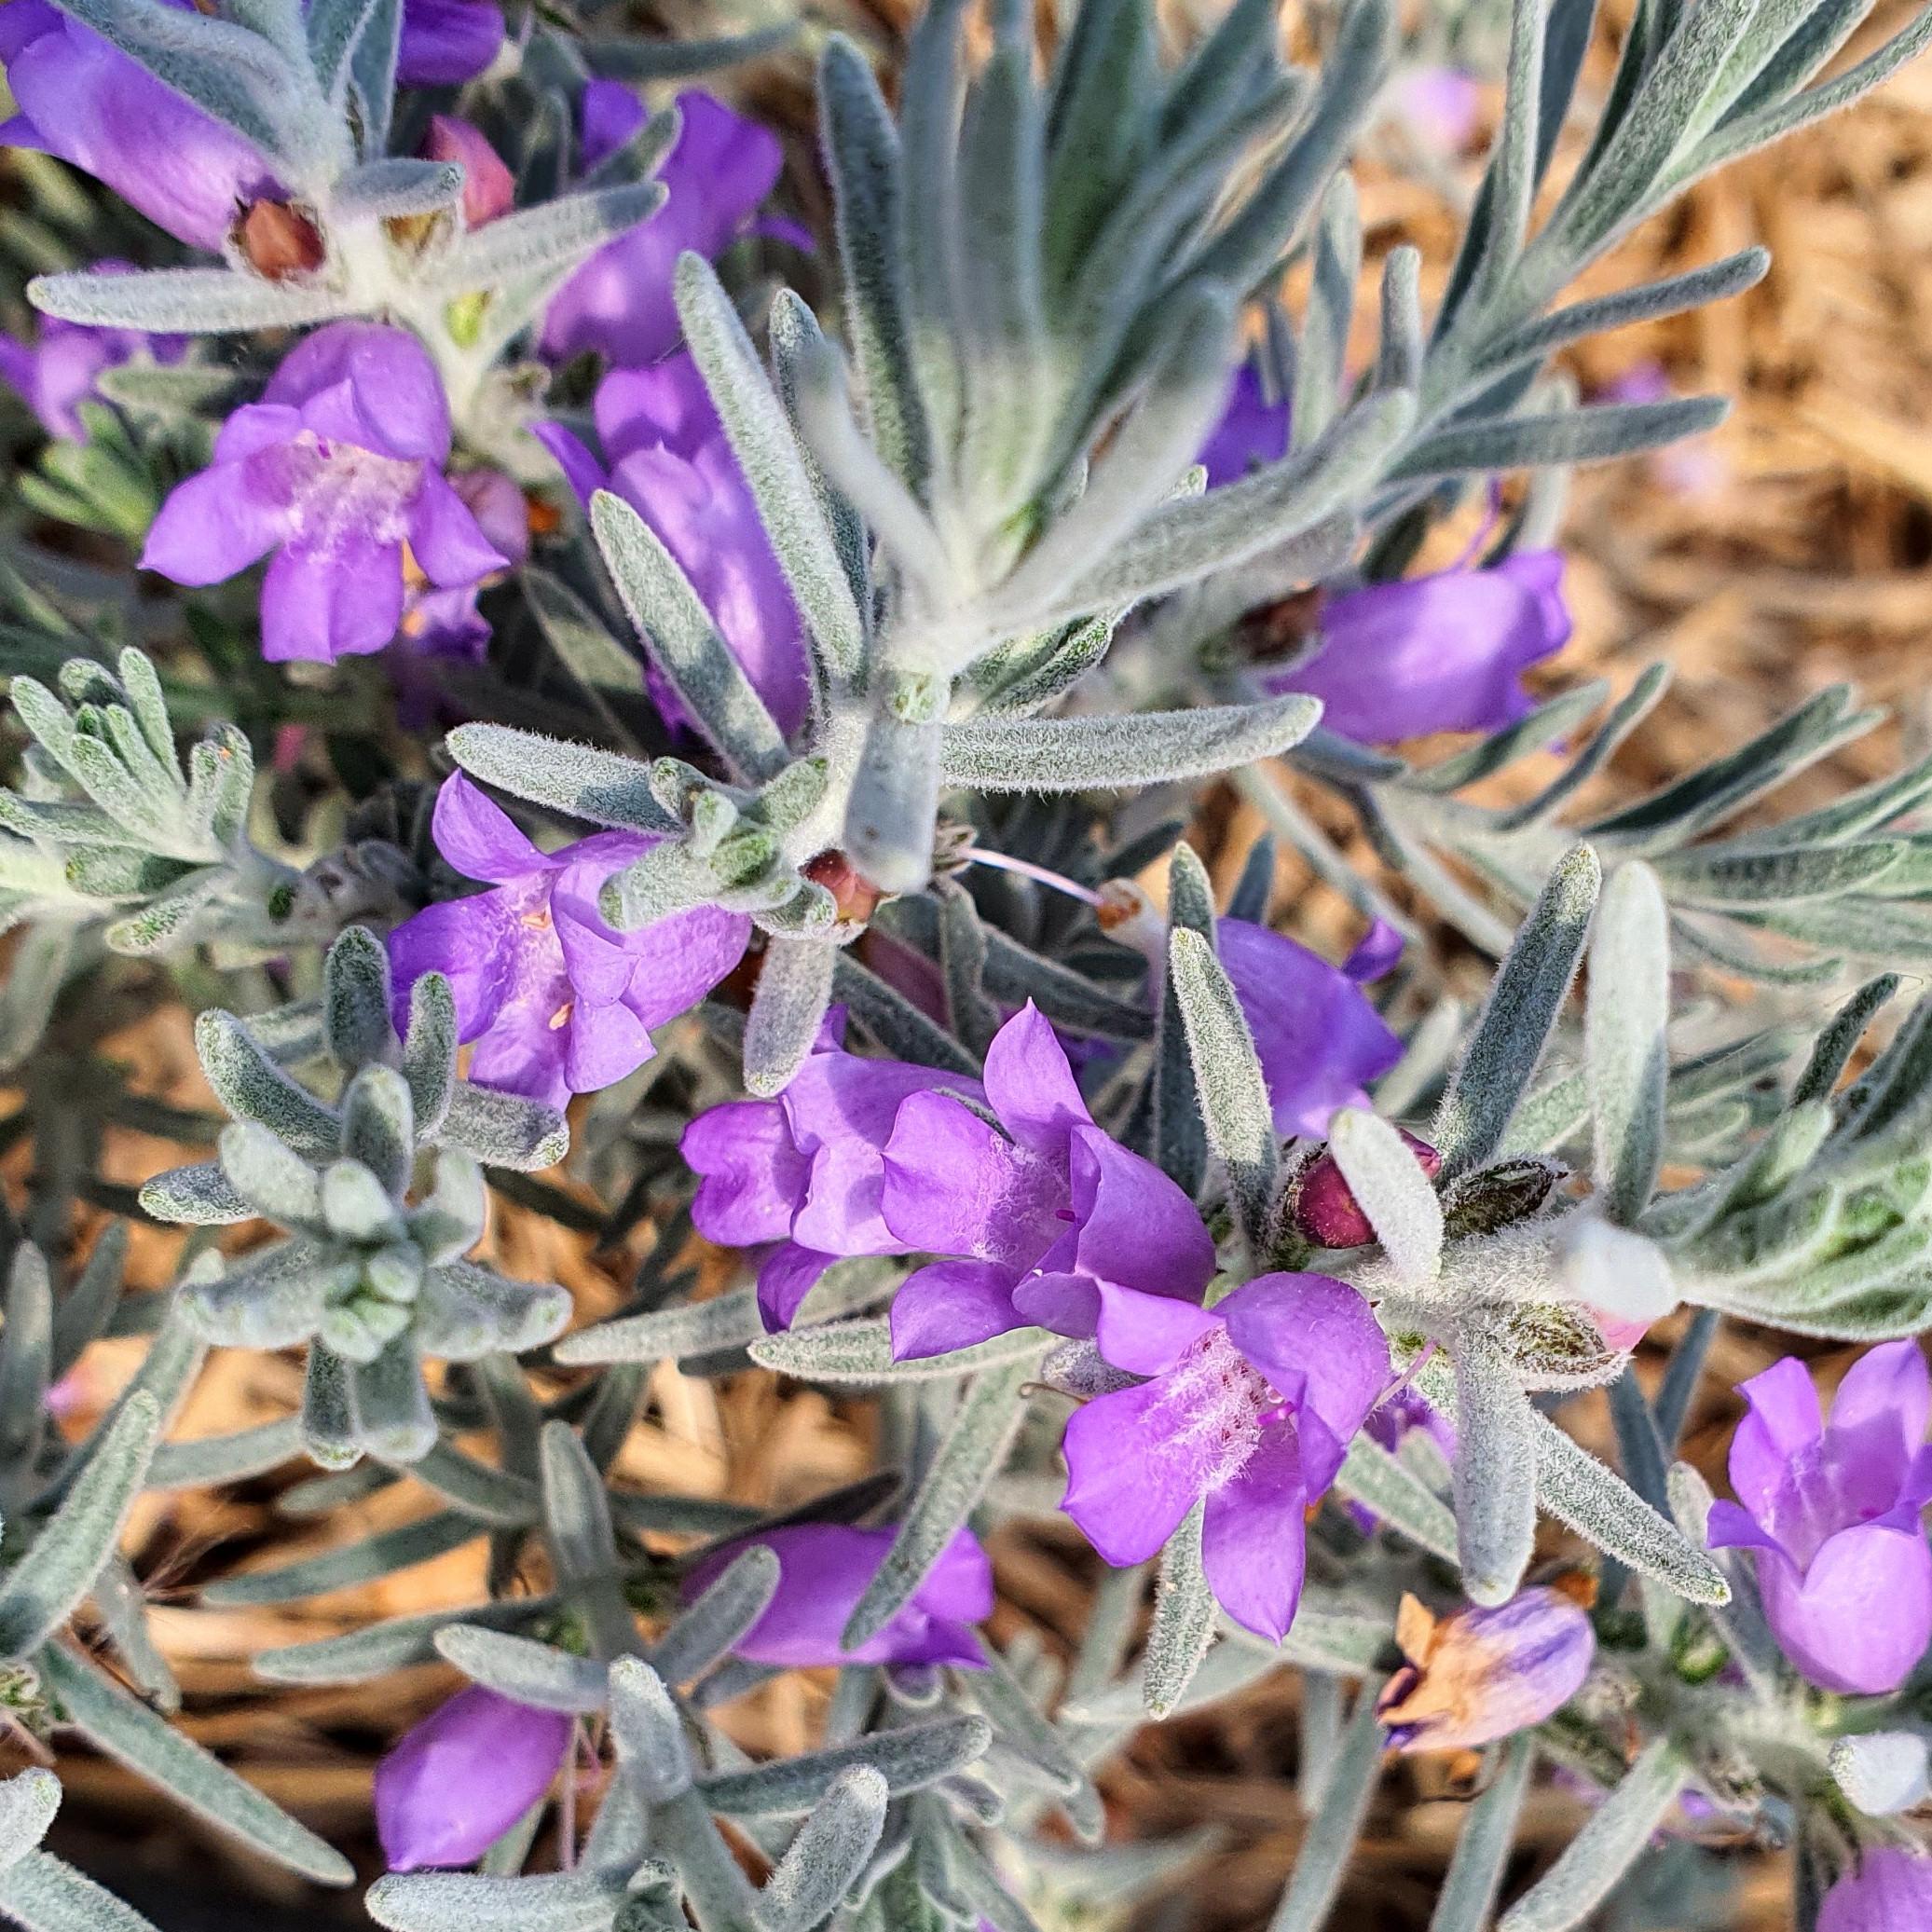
(1184, 1619)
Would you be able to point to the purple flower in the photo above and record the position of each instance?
(608, 115)
(1484, 1674)
(1252, 431)
(669, 459)
(806, 1171)
(555, 1002)
(446, 623)
(620, 302)
(83, 101)
(447, 42)
(55, 375)
(1318, 1038)
(460, 1779)
(1438, 653)
(490, 188)
(1443, 104)
(823, 1570)
(1039, 1212)
(338, 468)
(1251, 1407)
(1891, 1891)
(1832, 1512)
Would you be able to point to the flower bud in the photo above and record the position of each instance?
(1623, 1278)
(856, 897)
(490, 188)
(460, 1779)
(1484, 1674)
(279, 240)
(1325, 1207)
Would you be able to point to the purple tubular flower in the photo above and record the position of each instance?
(556, 1002)
(669, 459)
(58, 373)
(1890, 1891)
(1485, 1674)
(460, 1779)
(1438, 653)
(439, 623)
(620, 302)
(1250, 1405)
(1253, 431)
(1832, 1512)
(83, 101)
(490, 188)
(823, 1570)
(447, 42)
(608, 115)
(1318, 1038)
(337, 467)
(806, 1171)
(1039, 1217)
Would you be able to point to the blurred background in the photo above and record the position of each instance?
(1785, 552)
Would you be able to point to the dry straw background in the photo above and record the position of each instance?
(1788, 551)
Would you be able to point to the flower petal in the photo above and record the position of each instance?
(1031, 1086)
(478, 837)
(949, 1305)
(1316, 1340)
(955, 1186)
(1134, 1471)
(1254, 1539)
(321, 605)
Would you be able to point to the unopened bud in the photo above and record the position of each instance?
(278, 241)
(1623, 1278)
(1325, 1207)
(856, 897)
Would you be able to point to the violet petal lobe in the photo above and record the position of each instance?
(1890, 1890)
(460, 1779)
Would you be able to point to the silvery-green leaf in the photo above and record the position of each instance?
(498, 1496)
(1518, 1017)
(184, 301)
(1321, 348)
(356, 999)
(699, 663)
(982, 1431)
(504, 1130)
(1385, 1485)
(1592, 435)
(860, 1352)
(1397, 1196)
(894, 1023)
(646, 1731)
(893, 804)
(540, 241)
(578, 779)
(516, 1668)
(828, 1855)
(131, 1733)
(1832, 1051)
(393, 1420)
(788, 1008)
(41, 1894)
(1184, 1619)
(379, 1556)
(1227, 1076)
(253, 1088)
(1130, 750)
(862, 156)
(713, 1621)
(1614, 1836)
(26, 1357)
(391, 189)
(1496, 1473)
(28, 1802)
(761, 439)
(468, 1901)
(1468, 1896)
(908, 1758)
(1600, 1506)
(1337, 1822)
(467, 1311)
(39, 1594)
(205, 1461)
(1624, 1021)
(359, 1656)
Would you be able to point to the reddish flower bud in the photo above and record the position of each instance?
(854, 894)
(1325, 1207)
(490, 188)
(279, 241)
